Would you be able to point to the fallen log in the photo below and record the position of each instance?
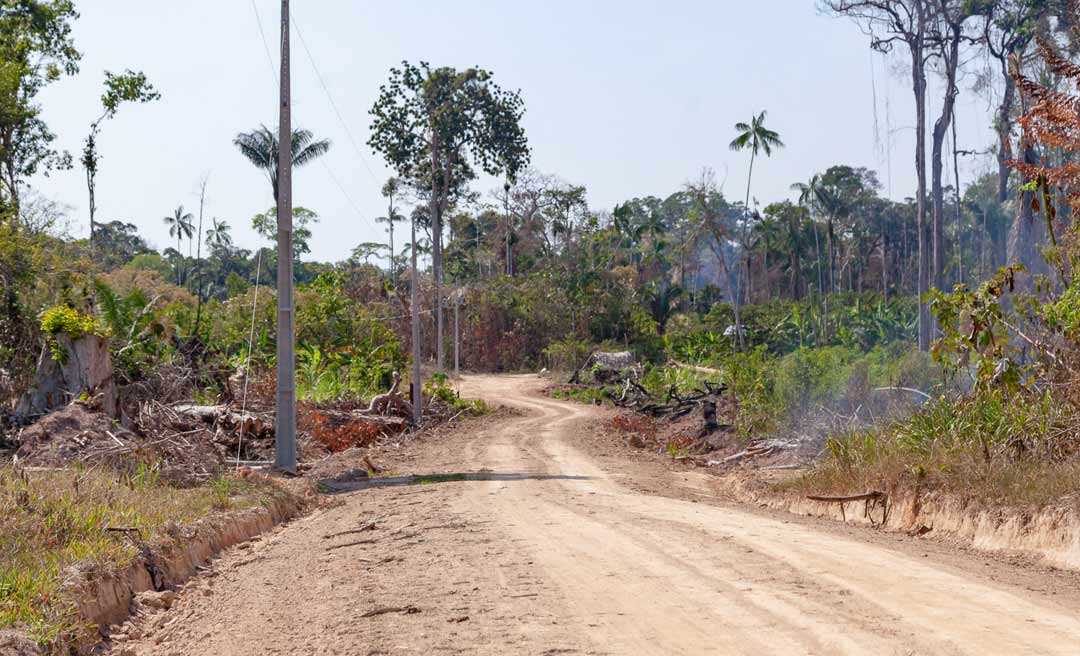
(871, 500)
(223, 416)
(392, 400)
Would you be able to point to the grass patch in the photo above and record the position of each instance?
(999, 448)
(52, 520)
(440, 478)
(587, 395)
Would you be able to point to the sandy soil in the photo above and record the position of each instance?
(548, 547)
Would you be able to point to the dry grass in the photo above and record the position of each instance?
(991, 448)
(52, 520)
(1007, 484)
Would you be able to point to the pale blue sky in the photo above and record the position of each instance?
(629, 98)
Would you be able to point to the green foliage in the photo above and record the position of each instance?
(53, 520)
(265, 223)
(439, 117)
(64, 320)
(438, 389)
(975, 333)
(993, 445)
(129, 86)
(342, 350)
(567, 354)
(858, 321)
(36, 48)
(260, 147)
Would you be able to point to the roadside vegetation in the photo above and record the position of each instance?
(52, 521)
(924, 338)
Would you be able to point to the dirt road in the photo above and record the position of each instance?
(541, 551)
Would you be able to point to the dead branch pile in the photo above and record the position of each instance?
(685, 436)
(676, 405)
(78, 434)
(757, 449)
(605, 367)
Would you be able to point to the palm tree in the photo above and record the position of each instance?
(180, 226)
(767, 236)
(260, 147)
(218, 237)
(810, 197)
(390, 192)
(758, 139)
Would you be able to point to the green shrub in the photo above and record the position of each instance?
(64, 320)
(567, 354)
(991, 445)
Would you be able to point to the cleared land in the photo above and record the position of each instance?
(547, 549)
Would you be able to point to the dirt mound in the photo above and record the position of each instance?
(72, 433)
(13, 643)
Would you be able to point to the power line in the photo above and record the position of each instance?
(330, 97)
(266, 45)
(273, 75)
(341, 187)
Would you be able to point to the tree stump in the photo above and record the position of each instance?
(86, 371)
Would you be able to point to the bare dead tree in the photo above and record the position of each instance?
(907, 22)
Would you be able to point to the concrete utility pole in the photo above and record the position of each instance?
(506, 209)
(457, 334)
(414, 302)
(285, 407)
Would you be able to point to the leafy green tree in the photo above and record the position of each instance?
(152, 261)
(446, 121)
(260, 147)
(119, 243)
(180, 226)
(365, 251)
(36, 48)
(265, 224)
(129, 86)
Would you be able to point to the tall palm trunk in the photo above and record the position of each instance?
(180, 258)
(746, 228)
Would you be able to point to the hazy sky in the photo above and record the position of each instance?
(627, 97)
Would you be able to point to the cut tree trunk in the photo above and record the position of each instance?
(86, 372)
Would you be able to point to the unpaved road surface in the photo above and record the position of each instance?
(543, 551)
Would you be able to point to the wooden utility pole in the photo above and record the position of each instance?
(414, 302)
(285, 407)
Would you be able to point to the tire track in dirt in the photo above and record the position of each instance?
(547, 553)
(656, 575)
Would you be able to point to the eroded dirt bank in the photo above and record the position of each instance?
(550, 550)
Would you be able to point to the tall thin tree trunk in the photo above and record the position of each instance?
(390, 220)
(198, 260)
(918, 74)
(746, 228)
(956, 202)
(1004, 131)
(436, 252)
